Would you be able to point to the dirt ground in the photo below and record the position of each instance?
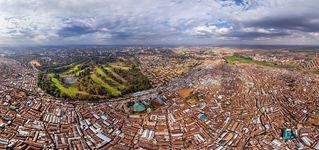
(184, 92)
(34, 62)
(22, 94)
(3, 121)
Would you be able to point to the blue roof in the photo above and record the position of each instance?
(160, 100)
(287, 134)
(145, 102)
(202, 117)
(8, 119)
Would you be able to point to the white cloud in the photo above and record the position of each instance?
(149, 22)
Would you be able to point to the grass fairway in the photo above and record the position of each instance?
(109, 70)
(114, 74)
(71, 89)
(63, 66)
(50, 74)
(121, 67)
(73, 69)
(109, 80)
(78, 72)
(107, 87)
(57, 84)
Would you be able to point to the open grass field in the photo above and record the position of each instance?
(312, 71)
(109, 80)
(62, 88)
(72, 88)
(233, 60)
(106, 86)
(245, 60)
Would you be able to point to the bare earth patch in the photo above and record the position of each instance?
(2, 121)
(35, 63)
(184, 92)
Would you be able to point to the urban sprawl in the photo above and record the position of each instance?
(202, 98)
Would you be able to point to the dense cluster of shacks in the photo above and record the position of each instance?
(247, 106)
(261, 57)
(161, 69)
(242, 106)
(252, 106)
(305, 64)
(13, 75)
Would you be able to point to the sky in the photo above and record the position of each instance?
(130, 22)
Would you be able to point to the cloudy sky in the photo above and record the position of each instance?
(294, 22)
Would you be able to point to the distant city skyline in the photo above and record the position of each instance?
(164, 22)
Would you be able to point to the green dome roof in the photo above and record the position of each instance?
(139, 107)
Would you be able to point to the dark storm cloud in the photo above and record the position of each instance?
(307, 23)
(293, 17)
(255, 34)
(268, 20)
(248, 32)
(74, 31)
